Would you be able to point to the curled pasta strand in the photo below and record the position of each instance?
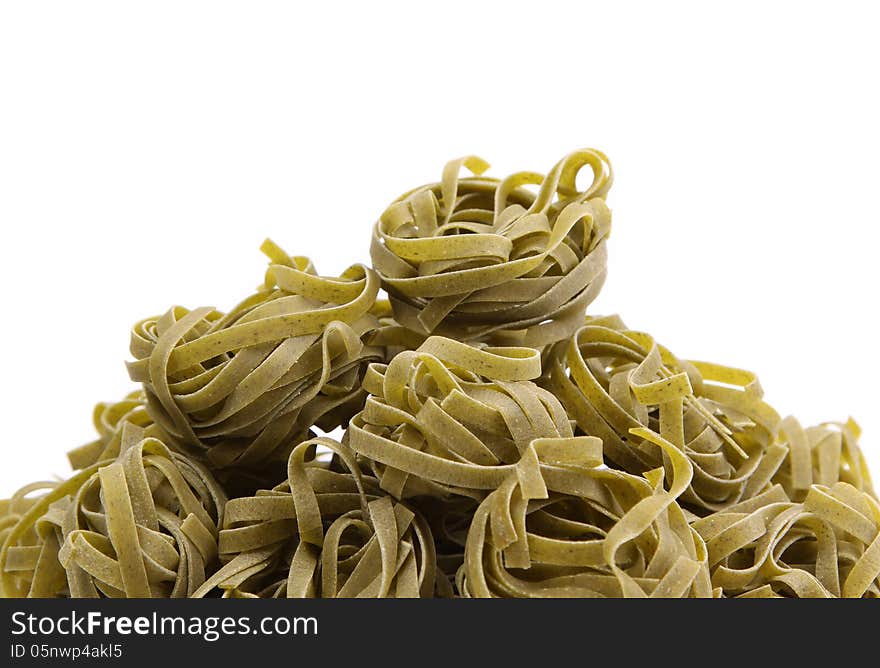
(824, 454)
(144, 525)
(327, 531)
(109, 420)
(824, 547)
(597, 533)
(454, 418)
(613, 380)
(242, 388)
(475, 258)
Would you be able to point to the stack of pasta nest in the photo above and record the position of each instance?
(494, 440)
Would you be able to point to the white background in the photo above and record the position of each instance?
(147, 149)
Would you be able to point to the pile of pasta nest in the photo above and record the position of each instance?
(497, 441)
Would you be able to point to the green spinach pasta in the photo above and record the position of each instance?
(476, 258)
(449, 422)
(452, 418)
(328, 531)
(828, 546)
(613, 380)
(244, 387)
(109, 420)
(587, 532)
(142, 525)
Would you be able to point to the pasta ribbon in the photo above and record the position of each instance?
(109, 420)
(142, 526)
(598, 533)
(476, 258)
(824, 454)
(243, 388)
(454, 418)
(327, 531)
(613, 380)
(826, 547)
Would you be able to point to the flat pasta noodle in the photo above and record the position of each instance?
(391, 336)
(142, 526)
(612, 380)
(824, 454)
(328, 531)
(596, 533)
(109, 419)
(476, 258)
(242, 388)
(828, 546)
(452, 418)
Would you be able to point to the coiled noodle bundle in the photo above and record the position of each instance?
(453, 418)
(327, 531)
(828, 546)
(824, 454)
(612, 380)
(590, 532)
(109, 420)
(244, 387)
(142, 526)
(477, 258)
(492, 439)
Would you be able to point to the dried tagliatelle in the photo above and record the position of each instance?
(495, 439)
(328, 531)
(142, 526)
(824, 454)
(243, 388)
(612, 380)
(451, 417)
(11, 512)
(109, 420)
(571, 528)
(477, 258)
(769, 546)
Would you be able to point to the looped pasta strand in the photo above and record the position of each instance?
(244, 387)
(327, 531)
(612, 380)
(144, 525)
(476, 258)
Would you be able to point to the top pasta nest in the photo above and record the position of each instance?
(482, 259)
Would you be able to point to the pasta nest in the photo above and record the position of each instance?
(327, 531)
(451, 418)
(477, 258)
(612, 380)
(243, 388)
(573, 528)
(823, 454)
(828, 546)
(145, 525)
(109, 419)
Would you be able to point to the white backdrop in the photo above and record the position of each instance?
(147, 149)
